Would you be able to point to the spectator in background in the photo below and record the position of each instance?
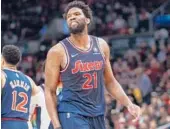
(161, 34)
(163, 116)
(154, 50)
(117, 7)
(143, 51)
(168, 47)
(167, 61)
(119, 23)
(153, 124)
(132, 8)
(120, 66)
(143, 19)
(144, 84)
(132, 58)
(10, 38)
(154, 72)
(122, 72)
(165, 80)
(132, 21)
(162, 53)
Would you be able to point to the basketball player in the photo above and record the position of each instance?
(82, 62)
(16, 89)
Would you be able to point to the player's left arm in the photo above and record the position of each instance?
(112, 85)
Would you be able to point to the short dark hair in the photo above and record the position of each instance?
(79, 4)
(11, 54)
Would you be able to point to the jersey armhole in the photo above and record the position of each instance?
(68, 58)
(30, 81)
(100, 49)
(33, 85)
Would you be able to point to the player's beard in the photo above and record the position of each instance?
(78, 29)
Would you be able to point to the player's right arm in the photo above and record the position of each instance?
(35, 89)
(52, 71)
(3, 79)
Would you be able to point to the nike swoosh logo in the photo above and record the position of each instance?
(74, 55)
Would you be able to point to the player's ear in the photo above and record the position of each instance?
(87, 20)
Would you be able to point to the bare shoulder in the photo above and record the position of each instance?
(102, 41)
(55, 56)
(103, 46)
(56, 50)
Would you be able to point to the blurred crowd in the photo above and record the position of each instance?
(143, 72)
(31, 19)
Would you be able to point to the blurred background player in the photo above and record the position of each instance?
(17, 89)
(41, 118)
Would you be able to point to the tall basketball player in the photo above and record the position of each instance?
(16, 89)
(82, 62)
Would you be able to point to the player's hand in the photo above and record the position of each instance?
(135, 111)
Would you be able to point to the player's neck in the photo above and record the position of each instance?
(80, 40)
(8, 66)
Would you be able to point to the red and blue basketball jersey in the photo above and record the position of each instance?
(82, 79)
(16, 95)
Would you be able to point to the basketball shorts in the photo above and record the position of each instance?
(11, 124)
(76, 121)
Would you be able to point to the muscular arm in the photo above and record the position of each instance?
(52, 70)
(111, 84)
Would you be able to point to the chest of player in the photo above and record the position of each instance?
(85, 61)
(84, 70)
(80, 61)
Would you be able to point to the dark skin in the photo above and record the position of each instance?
(56, 59)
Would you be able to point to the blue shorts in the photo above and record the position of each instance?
(14, 124)
(76, 121)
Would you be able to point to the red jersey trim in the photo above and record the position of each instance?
(68, 58)
(83, 51)
(8, 118)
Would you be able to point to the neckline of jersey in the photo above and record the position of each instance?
(11, 70)
(84, 51)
